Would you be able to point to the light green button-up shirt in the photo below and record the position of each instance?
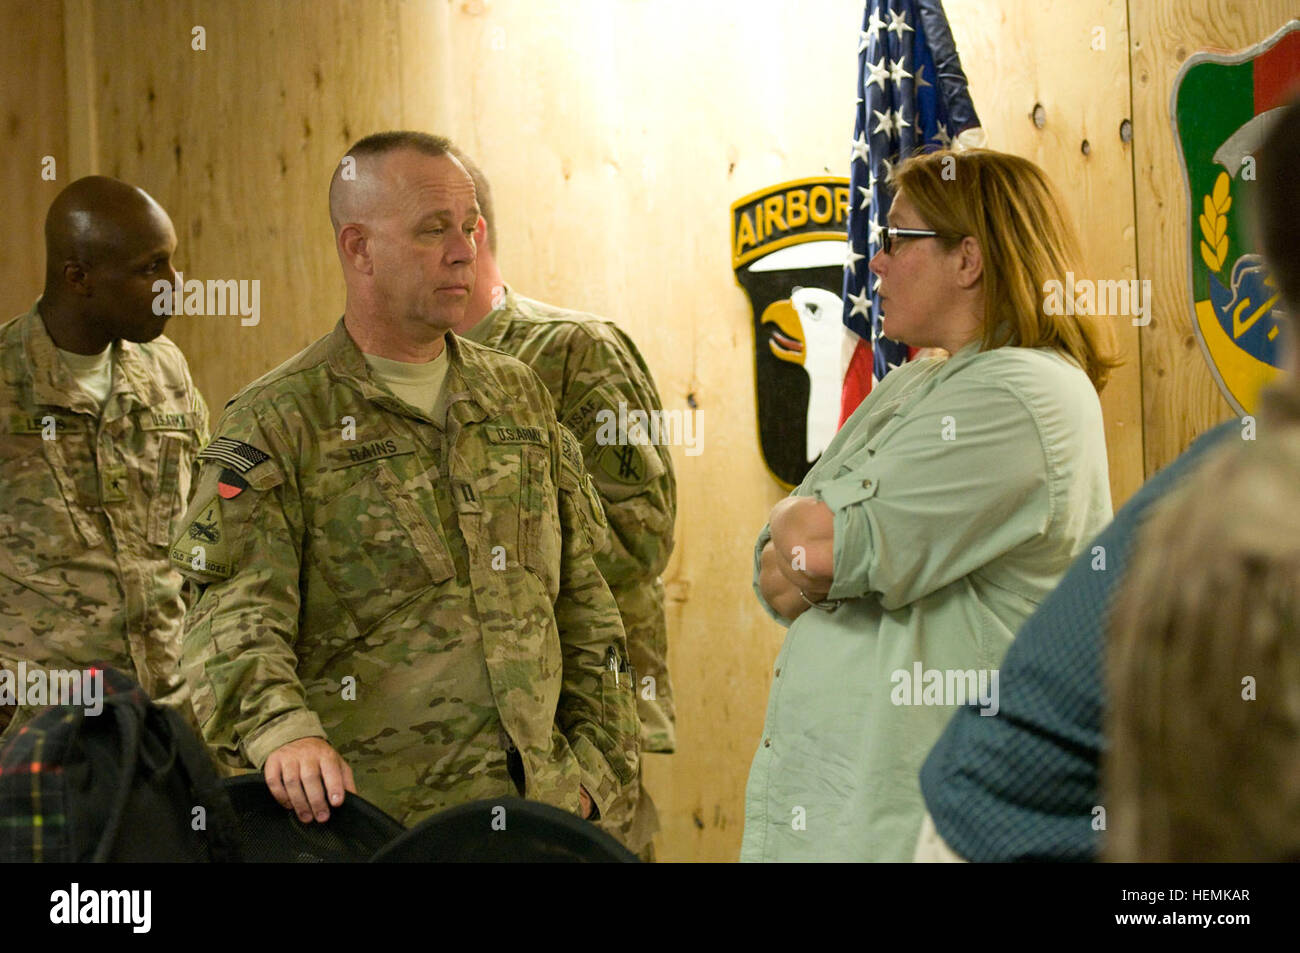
(961, 490)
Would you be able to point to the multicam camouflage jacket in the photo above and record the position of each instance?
(87, 501)
(419, 590)
(588, 364)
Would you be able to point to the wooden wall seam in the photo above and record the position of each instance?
(79, 63)
(1137, 235)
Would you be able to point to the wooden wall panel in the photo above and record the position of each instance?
(1072, 58)
(238, 142)
(1181, 399)
(33, 124)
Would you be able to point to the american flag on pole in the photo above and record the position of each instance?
(912, 97)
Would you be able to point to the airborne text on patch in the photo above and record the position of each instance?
(780, 215)
(583, 416)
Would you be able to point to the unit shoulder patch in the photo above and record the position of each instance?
(628, 464)
(230, 484)
(203, 549)
(571, 466)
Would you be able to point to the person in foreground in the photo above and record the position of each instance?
(1026, 786)
(938, 518)
(100, 423)
(393, 537)
(1203, 656)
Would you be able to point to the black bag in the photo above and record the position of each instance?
(129, 784)
(505, 830)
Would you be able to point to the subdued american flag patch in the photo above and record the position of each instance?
(239, 456)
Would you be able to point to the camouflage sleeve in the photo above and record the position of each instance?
(241, 546)
(178, 696)
(638, 490)
(596, 712)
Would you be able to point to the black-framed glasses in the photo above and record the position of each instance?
(890, 234)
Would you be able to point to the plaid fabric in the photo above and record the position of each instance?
(1022, 786)
(33, 825)
(33, 795)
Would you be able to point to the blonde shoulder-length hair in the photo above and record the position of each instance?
(1026, 239)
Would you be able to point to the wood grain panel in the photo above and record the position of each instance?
(238, 142)
(33, 124)
(1072, 59)
(1181, 399)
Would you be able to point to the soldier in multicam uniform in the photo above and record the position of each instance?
(99, 426)
(394, 536)
(589, 364)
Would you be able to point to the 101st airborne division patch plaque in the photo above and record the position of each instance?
(788, 244)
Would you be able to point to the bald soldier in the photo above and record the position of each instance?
(393, 538)
(588, 365)
(99, 426)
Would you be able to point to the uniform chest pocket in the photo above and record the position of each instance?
(375, 547)
(37, 528)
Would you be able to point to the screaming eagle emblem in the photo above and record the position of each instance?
(788, 247)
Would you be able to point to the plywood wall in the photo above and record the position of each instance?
(33, 125)
(238, 142)
(1180, 395)
(616, 134)
(1072, 60)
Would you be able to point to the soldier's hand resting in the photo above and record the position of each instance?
(302, 773)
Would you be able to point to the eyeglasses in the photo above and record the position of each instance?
(891, 234)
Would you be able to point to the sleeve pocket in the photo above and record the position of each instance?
(169, 494)
(857, 487)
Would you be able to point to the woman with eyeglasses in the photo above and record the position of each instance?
(945, 509)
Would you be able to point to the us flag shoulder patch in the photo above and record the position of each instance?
(235, 454)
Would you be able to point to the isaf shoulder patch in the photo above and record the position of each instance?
(574, 479)
(570, 460)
